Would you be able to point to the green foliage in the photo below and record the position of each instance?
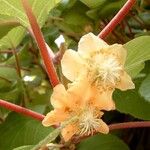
(6, 24)
(24, 147)
(13, 38)
(130, 102)
(104, 142)
(93, 4)
(24, 57)
(21, 131)
(138, 51)
(144, 89)
(72, 18)
(40, 8)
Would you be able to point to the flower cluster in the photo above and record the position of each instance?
(95, 71)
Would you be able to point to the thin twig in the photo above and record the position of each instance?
(5, 79)
(6, 51)
(60, 53)
(18, 66)
(138, 20)
(117, 19)
(129, 28)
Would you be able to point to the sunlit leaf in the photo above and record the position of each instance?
(40, 8)
(14, 9)
(6, 24)
(138, 51)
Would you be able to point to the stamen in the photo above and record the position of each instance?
(89, 121)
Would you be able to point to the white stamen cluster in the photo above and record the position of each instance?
(109, 71)
(89, 122)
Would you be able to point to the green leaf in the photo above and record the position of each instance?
(93, 4)
(93, 14)
(145, 17)
(27, 147)
(18, 130)
(6, 24)
(14, 37)
(144, 89)
(130, 102)
(40, 8)
(12, 95)
(138, 52)
(71, 21)
(103, 142)
(8, 73)
(110, 8)
(14, 9)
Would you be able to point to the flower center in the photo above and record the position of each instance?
(104, 71)
(109, 71)
(89, 121)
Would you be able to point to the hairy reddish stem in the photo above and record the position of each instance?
(21, 110)
(117, 19)
(41, 44)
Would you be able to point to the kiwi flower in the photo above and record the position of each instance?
(100, 63)
(83, 102)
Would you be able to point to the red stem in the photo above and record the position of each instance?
(115, 126)
(117, 19)
(21, 110)
(40, 117)
(127, 125)
(41, 44)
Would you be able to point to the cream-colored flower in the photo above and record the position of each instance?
(81, 101)
(100, 63)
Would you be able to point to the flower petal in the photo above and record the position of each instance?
(54, 117)
(125, 82)
(90, 43)
(69, 131)
(59, 96)
(119, 51)
(79, 91)
(103, 127)
(71, 64)
(104, 101)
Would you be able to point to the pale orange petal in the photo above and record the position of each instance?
(69, 131)
(59, 96)
(79, 92)
(119, 51)
(125, 82)
(104, 101)
(90, 43)
(54, 117)
(71, 64)
(103, 127)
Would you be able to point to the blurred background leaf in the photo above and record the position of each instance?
(104, 142)
(19, 130)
